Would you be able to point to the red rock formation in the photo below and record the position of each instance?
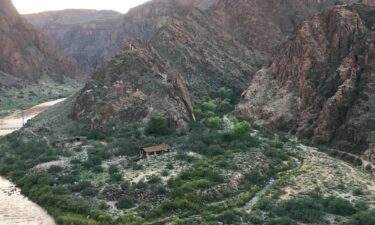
(321, 83)
(29, 54)
(262, 25)
(130, 88)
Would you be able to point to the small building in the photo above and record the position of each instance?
(155, 150)
(69, 142)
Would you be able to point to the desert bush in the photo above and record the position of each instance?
(306, 210)
(230, 217)
(157, 126)
(116, 177)
(125, 185)
(80, 186)
(98, 169)
(339, 206)
(89, 192)
(214, 123)
(153, 179)
(363, 218)
(281, 221)
(125, 203)
(55, 169)
(113, 169)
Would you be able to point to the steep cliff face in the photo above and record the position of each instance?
(321, 83)
(89, 36)
(132, 86)
(190, 55)
(27, 53)
(206, 54)
(92, 37)
(266, 24)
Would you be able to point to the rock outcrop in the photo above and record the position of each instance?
(132, 86)
(89, 36)
(321, 83)
(206, 55)
(265, 25)
(92, 37)
(29, 54)
(369, 154)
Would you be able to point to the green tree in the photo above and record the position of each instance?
(157, 126)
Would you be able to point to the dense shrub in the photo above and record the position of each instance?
(113, 169)
(306, 210)
(339, 206)
(74, 219)
(125, 185)
(363, 218)
(214, 123)
(125, 203)
(89, 191)
(55, 169)
(80, 186)
(157, 126)
(230, 217)
(281, 221)
(276, 154)
(116, 177)
(153, 179)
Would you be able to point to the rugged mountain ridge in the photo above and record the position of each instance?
(54, 19)
(321, 83)
(132, 86)
(92, 41)
(197, 43)
(86, 35)
(29, 54)
(266, 24)
(190, 44)
(263, 25)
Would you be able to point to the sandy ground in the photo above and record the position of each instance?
(15, 209)
(14, 120)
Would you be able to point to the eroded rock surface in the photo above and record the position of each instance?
(321, 83)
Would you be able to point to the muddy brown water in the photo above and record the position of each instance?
(16, 209)
(13, 121)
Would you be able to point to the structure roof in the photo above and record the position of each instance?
(157, 148)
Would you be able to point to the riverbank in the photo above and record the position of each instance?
(15, 209)
(15, 120)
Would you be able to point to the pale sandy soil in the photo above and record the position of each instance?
(14, 120)
(15, 209)
(332, 176)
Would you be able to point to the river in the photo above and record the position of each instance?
(15, 120)
(15, 209)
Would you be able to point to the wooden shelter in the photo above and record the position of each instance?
(154, 150)
(69, 142)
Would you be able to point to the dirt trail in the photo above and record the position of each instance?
(14, 121)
